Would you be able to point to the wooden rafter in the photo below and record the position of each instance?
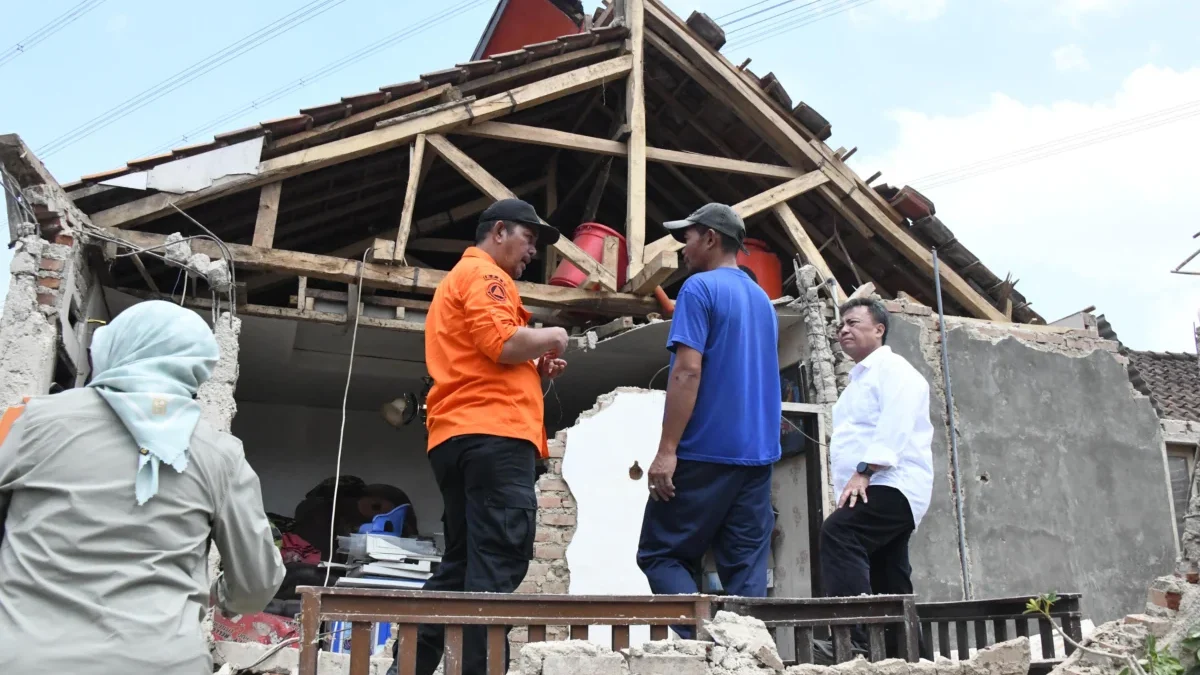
(634, 15)
(727, 84)
(397, 278)
(490, 186)
(369, 117)
(570, 141)
(779, 194)
(416, 165)
(268, 213)
(654, 273)
(381, 139)
(796, 232)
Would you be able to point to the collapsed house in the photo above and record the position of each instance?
(301, 237)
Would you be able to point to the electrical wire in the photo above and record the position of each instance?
(337, 474)
(1058, 146)
(322, 72)
(256, 39)
(817, 14)
(53, 26)
(764, 11)
(771, 18)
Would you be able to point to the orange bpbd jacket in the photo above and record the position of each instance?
(475, 310)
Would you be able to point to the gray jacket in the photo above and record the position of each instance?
(92, 583)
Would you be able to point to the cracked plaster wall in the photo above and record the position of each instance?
(1064, 478)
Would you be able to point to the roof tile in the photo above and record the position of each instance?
(1171, 379)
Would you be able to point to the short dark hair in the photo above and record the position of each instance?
(728, 243)
(878, 312)
(485, 228)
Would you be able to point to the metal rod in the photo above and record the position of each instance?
(956, 475)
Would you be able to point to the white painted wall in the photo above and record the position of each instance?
(600, 450)
(292, 448)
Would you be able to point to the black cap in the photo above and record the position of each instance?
(518, 211)
(718, 217)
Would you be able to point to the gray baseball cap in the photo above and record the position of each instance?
(718, 217)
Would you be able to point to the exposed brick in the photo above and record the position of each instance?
(51, 265)
(554, 466)
(49, 282)
(64, 239)
(893, 306)
(917, 310)
(47, 299)
(557, 587)
(546, 551)
(545, 535)
(1154, 625)
(1082, 345)
(549, 482)
(549, 502)
(560, 519)
(528, 586)
(557, 450)
(1168, 599)
(537, 570)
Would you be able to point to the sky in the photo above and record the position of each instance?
(1056, 137)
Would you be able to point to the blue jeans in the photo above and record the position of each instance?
(720, 506)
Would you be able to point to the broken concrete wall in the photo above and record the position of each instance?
(1064, 481)
(50, 285)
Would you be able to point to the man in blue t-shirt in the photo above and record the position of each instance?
(710, 483)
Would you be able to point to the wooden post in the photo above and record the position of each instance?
(635, 114)
(552, 185)
(268, 213)
(416, 162)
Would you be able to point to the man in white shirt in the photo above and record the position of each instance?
(881, 461)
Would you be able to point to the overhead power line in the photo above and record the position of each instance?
(773, 17)
(815, 14)
(1058, 146)
(323, 72)
(58, 23)
(257, 38)
(741, 9)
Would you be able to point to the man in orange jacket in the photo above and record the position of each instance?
(485, 416)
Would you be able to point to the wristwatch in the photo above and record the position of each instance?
(865, 469)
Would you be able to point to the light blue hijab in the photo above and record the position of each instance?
(147, 365)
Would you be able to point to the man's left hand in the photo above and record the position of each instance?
(551, 367)
(855, 490)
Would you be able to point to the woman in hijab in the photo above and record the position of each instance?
(109, 496)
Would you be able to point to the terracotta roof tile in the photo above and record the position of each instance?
(1171, 379)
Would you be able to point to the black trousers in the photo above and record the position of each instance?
(489, 522)
(864, 550)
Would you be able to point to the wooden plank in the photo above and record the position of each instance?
(397, 278)
(804, 644)
(660, 246)
(1000, 630)
(779, 194)
(620, 638)
(454, 650)
(842, 651)
(416, 162)
(579, 632)
(798, 234)
(658, 633)
(943, 629)
(653, 274)
(877, 650)
(292, 313)
(1046, 632)
(378, 140)
(360, 648)
(406, 652)
(564, 140)
(268, 213)
(611, 255)
(497, 643)
(551, 184)
(143, 272)
(489, 185)
(334, 129)
(635, 117)
(964, 645)
(368, 299)
(540, 67)
(301, 293)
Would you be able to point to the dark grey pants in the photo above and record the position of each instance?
(489, 522)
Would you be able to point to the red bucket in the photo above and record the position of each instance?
(765, 265)
(590, 238)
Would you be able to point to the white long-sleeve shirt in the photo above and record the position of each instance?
(882, 418)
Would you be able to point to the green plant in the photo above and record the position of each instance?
(1160, 663)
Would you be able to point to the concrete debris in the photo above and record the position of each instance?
(670, 657)
(1005, 658)
(178, 250)
(247, 657)
(534, 655)
(747, 635)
